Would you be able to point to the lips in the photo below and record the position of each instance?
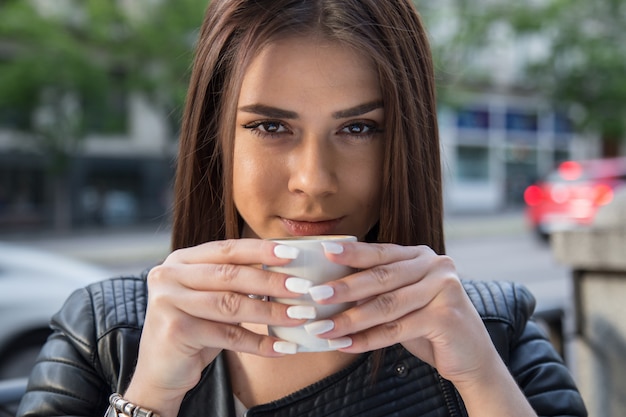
(310, 228)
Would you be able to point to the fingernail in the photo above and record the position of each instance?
(332, 247)
(301, 312)
(285, 347)
(321, 292)
(339, 343)
(286, 252)
(298, 285)
(319, 327)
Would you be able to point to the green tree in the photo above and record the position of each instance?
(578, 63)
(586, 61)
(60, 61)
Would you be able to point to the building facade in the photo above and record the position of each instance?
(494, 145)
(112, 180)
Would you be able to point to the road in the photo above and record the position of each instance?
(484, 246)
(500, 246)
(514, 257)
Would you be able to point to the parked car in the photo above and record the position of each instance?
(570, 196)
(33, 286)
(11, 392)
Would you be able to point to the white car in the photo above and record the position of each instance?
(33, 286)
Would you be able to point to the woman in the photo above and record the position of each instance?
(304, 118)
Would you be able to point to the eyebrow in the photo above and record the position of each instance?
(269, 111)
(275, 112)
(358, 110)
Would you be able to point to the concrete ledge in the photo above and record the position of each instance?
(595, 248)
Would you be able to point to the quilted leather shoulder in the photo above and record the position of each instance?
(505, 308)
(502, 301)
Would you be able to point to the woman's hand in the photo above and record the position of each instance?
(412, 296)
(196, 300)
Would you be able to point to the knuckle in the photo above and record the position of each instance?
(229, 304)
(158, 281)
(234, 335)
(451, 283)
(425, 250)
(225, 247)
(176, 256)
(445, 262)
(381, 251)
(159, 274)
(226, 272)
(342, 287)
(364, 341)
(381, 274)
(392, 330)
(175, 328)
(275, 279)
(385, 304)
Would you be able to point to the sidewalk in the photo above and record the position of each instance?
(139, 244)
(470, 225)
(103, 247)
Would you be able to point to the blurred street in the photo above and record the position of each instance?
(495, 246)
(501, 247)
(121, 251)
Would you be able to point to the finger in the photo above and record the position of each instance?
(437, 321)
(229, 307)
(236, 251)
(383, 278)
(229, 277)
(238, 339)
(362, 255)
(384, 308)
(228, 336)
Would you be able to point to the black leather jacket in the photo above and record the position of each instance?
(93, 350)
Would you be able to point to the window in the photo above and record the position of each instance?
(472, 163)
(473, 119)
(562, 124)
(520, 121)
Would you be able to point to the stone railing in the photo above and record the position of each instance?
(597, 258)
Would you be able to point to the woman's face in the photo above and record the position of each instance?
(308, 151)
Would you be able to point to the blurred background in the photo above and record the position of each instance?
(91, 94)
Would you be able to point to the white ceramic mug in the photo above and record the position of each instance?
(313, 265)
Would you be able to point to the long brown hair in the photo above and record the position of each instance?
(390, 32)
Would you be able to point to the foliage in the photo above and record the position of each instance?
(69, 67)
(61, 61)
(580, 63)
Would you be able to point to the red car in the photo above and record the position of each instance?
(570, 196)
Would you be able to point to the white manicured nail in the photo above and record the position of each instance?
(301, 312)
(285, 347)
(286, 252)
(319, 327)
(339, 343)
(332, 247)
(298, 285)
(321, 292)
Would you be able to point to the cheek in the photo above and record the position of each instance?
(369, 180)
(251, 178)
(372, 193)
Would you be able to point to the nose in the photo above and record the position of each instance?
(313, 168)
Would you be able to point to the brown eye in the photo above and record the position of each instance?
(360, 129)
(267, 127)
(271, 127)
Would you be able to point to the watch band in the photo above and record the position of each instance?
(119, 407)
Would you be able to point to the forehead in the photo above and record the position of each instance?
(311, 65)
